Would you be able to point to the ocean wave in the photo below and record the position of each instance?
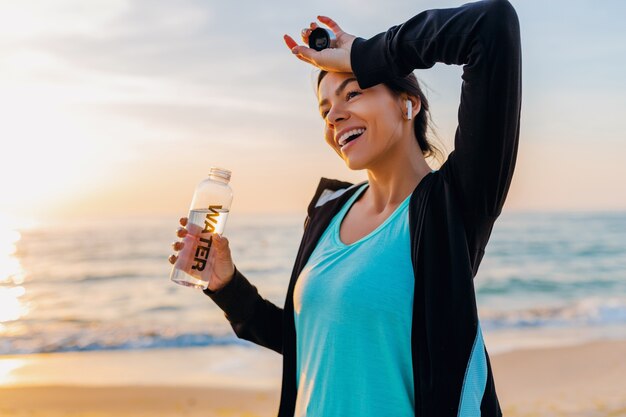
(516, 284)
(80, 342)
(57, 277)
(587, 312)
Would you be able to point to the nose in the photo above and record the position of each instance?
(336, 114)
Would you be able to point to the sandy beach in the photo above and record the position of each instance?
(136, 401)
(584, 380)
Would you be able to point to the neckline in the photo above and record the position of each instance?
(342, 214)
(346, 208)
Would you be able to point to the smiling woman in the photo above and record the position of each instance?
(396, 255)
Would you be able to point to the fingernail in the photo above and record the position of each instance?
(294, 51)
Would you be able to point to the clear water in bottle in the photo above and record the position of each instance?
(195, 261)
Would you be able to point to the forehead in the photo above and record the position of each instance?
(333, 83)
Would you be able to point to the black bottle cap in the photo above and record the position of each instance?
(320, 38)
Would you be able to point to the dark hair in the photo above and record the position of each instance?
(409, 85)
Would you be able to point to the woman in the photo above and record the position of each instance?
(380, 316)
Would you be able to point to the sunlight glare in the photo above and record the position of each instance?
(7, 368)
(11, 273)
(10, 306)
(10, 267)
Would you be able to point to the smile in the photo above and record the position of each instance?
(351, 141)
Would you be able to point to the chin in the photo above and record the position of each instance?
(355, 164)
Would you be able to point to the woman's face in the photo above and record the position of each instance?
(345, 107)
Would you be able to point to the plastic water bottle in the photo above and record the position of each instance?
(207, 215)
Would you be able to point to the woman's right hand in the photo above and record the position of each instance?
(336, 58)
(223, 268)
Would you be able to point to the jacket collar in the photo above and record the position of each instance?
(329, 189)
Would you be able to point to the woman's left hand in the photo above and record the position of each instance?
(336, 58)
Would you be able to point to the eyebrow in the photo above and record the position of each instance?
(338, 90)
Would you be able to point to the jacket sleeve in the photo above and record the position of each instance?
(484, 37)
(251, 316)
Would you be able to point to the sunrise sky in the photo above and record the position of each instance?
(120, 107)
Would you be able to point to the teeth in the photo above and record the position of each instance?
(345, 136)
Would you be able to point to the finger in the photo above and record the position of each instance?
(178, 245)
(304, 34)
(222, 241)
(302, 51)
(290, 42)
(172, 259)
(183, 221)
(181, 232)
(330, 23)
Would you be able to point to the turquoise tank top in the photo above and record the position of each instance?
(353, 309)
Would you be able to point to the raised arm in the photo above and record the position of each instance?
(251, 316)
(484, 37)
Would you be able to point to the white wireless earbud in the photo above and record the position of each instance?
(409, 109)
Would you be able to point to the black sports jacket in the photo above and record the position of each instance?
(451, 211)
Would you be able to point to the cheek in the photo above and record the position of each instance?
(386, 123)
(329, 136)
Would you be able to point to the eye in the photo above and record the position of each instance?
(348, 94)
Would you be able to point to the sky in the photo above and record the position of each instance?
(120, 107)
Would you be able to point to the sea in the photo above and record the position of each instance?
(546, 279)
